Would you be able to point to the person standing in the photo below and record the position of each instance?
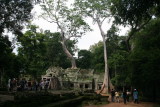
(124, 97)
(128, 95)
(112, 95)
(41, 84)
(117, 96)
(135, 96)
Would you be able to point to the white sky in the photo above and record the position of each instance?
(86, 40)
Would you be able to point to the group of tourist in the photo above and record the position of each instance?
(22, 85)
(115, 96)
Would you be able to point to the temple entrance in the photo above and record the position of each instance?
(54, 83)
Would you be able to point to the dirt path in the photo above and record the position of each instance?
(130, 104)
(121, 104)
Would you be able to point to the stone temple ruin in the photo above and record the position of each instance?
(76, 79)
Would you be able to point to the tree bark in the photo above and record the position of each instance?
(106, 84)
(69, 55)
(106, 74)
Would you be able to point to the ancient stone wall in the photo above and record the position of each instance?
(78, 79)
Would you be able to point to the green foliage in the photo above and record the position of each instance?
(84, 59)
(5, 46)
(145, 59)
(55, 54)
(39, 50)
(14, 13)
(93, 8)
(134, 12)
(116, 51)
(9, 62)
(68, 20)
(97, 57)
(117, 59)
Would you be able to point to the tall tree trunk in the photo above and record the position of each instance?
(106, 74)
(69, 55)
(106, 81)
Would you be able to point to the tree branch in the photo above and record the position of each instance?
(133, 31)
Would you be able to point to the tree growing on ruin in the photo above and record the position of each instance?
(98, 11)
(68, 20)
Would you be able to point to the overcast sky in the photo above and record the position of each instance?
(86, 40)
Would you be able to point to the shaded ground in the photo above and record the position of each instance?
(121, 104)
(6, 98)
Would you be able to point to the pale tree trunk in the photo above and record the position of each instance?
(69, 55)
(106, 82)
(106, 74)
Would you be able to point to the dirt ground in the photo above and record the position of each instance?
(121, 104)
(130, 104)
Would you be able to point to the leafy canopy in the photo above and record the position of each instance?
(13, 14)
